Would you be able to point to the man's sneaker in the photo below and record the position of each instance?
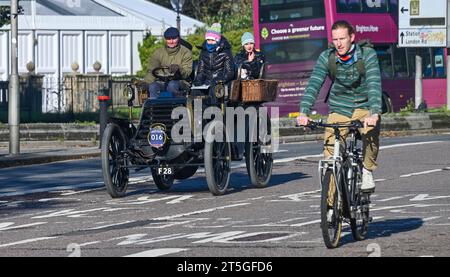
(368, 185)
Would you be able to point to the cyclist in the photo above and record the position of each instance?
(179, 60)
(353, 95)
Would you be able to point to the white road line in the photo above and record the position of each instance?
(26, 241)
(421, 173)
(81, 191)
(431, 218)
(5, 226)
(111, 225)
(200, 211)
(306, 223)
(409, 144)
(157, 252)
(53, 189)
(394, 198)
(89, 243)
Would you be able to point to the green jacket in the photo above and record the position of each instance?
(344, 100)
(165, 56)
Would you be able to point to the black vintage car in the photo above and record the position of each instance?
(150, 144)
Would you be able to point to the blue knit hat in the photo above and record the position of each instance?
(171, 33)
(246, 38)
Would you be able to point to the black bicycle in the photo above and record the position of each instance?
(340, 179)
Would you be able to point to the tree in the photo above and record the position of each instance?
(4, 15)
(231, 14)
(146, 50)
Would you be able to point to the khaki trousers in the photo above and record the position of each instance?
(370, 137)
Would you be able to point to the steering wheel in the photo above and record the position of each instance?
(163, 73)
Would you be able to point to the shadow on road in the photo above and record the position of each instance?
(387, 228)
(238, 182)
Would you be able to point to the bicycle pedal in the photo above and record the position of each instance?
(370, 219)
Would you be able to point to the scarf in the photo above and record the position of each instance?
(349, 57)
(211, 47)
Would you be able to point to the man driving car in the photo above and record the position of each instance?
(177, 58)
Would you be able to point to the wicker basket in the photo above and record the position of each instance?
(259, 90)
(235, 93)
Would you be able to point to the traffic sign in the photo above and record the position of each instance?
(422, 23)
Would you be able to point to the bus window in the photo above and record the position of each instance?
(271, 2)
(385, 61)
(411, 55)
(427, 67)
(433, 62)
(400, 64)
(293, 50)
(348, 6)
(438, 56)
(290, 10)
(375, 6)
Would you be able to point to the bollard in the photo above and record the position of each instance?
(103, 99)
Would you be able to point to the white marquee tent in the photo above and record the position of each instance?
(54, 34)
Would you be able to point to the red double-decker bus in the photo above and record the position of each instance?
(293, 33)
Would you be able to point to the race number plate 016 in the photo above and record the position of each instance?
(157, 138)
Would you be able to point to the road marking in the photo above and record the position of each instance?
(111, 225)
(157, 252)
(43, 200)
(89, 243)
(431, 218)
(420, 173)
(297, 197)
(68, 213)
(53, 189)
(179, 199)
(394, 198)
(81, 191)
(409, 144)
(26, 241)
(426, 197)
(162, 225)
(146, 199)
(201, 211)
(5, 226)
(306, 223)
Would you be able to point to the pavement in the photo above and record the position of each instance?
(39, 152)
(43, 143)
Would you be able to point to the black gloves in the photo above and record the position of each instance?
(174, 68)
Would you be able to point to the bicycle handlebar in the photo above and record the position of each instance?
(314, 124)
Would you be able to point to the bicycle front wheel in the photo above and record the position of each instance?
(331, 211)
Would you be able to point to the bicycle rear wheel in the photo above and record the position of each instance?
(331, 211)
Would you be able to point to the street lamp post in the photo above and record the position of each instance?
(13, 100)
(177, 5)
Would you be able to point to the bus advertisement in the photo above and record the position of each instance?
(293, 33)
